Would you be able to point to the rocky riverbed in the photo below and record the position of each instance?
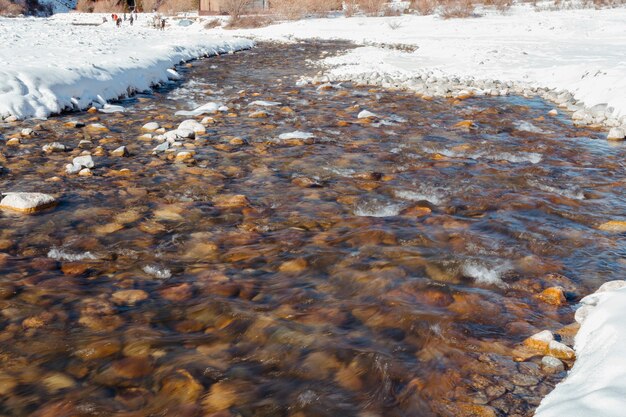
(241, 244)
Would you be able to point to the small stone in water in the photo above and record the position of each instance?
(183, 156)
(54, 147)
(162, 147)
(97, 127)
(540, 341)
(85, 161)
(552, 365)
(560, 351)
(121, 151)
(366, 114)
(85, 172)
(258, 115)
(150, 127)
(13, 142)
(27, 132)
(616, 133)
(27, 202)
(57, 382)
(294, 266)
(553, 296)
(221, 397)
(191, 125)
(129, 296)
(230, 201)
(616, 226)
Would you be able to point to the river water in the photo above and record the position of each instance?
(377, 267)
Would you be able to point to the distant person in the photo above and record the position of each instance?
(124, 16)
(162, 24)
(131, 19)
(119, 22)
(104, 19)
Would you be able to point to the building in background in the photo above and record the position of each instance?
(208, 7)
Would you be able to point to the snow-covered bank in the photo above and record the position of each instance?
(48, 65)
(580, 51)
(596, 384)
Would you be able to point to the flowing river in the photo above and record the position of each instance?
(300, 261)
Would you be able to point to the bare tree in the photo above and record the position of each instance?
(236, 8)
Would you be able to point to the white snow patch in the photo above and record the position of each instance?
(596, 384)
(50, 65)
(580, 51)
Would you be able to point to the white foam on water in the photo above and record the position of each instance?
(520, 157)
(484, 274)
(573, 193)
(157, 272)
(62, 255)
(532, 157)
(342, 172)
(377, 209)
(528, 127)
(428, 195)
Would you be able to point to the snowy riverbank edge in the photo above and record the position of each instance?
(52, 65)
(596, 384)
(572, 58)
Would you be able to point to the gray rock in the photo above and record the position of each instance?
(552, 365)
(85, 161)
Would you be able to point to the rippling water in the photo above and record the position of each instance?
(384, 267)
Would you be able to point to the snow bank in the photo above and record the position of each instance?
(596, 384)
(580, 51)
(49, 65)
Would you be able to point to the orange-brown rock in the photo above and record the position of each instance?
(181, 386)
(228, 201)
(293, 266)
(178, 292)
(553, 296)
(129, 296)
(222, 396)
(98, 349)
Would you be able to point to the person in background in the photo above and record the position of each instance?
(162, 24)
(124, 16)
(119, 22)
(104, 19)
(131, 19)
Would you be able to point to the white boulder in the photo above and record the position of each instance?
(27, 202)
